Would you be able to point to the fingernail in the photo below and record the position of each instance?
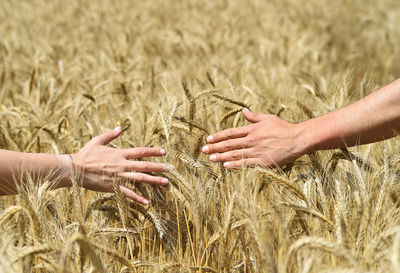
(205, 149)
(213, 157)
(165, 180)
(210, 138)
(145, 202)
(226, 164)
(117, 129)
(162, 151)
(246, 110)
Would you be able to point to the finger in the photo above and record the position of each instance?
(249, 162)
(227, 145)
(253, 117)
(228, 134)
(232, 155)
(134, 196)
(140, 152)
(144, 166)
(106, 137)
(144, 178)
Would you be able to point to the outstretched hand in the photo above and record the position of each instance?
(268, 142)
(98, 166)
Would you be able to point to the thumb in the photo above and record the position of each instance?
(107, 137)
(252, 117)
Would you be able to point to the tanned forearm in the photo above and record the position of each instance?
(373, 118)
(270, 141)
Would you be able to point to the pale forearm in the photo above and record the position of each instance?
(373, 118)
(17, 167)
(95, 167)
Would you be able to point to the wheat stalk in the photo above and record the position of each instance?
(319, 244)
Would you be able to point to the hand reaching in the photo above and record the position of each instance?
(98, 166)
(268, 142)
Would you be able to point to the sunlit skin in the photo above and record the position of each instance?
(270, 141)
(96, 167)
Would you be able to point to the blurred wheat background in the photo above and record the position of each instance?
(170, 73)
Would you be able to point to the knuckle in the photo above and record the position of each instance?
(251, 138)
(236, 154)
(229, 133)
(139, 177)
(140, 151)
(228, 144)
(252, 128)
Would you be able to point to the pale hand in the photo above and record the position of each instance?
(98, 166)
(268, 142)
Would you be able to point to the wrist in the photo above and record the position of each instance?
(322, 133)
(66, 169)
(307, 138)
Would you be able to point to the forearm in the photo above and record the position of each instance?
(16, 167)
(373, 118)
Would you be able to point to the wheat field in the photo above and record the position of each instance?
(170, 73)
